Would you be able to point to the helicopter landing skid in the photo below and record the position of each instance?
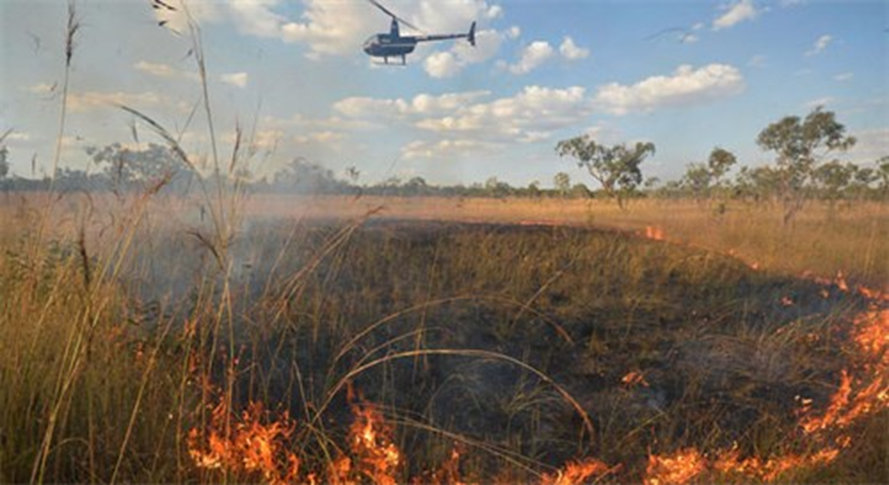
(390, 64)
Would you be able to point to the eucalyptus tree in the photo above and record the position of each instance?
(801, 146)
(562, 182)
(616, 168)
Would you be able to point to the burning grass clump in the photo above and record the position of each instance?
(390, 352)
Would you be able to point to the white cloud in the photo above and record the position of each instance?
(87, 101)
(42, 88)
(571, 51)
(444, 64)
(531, 115)
(513, 32)
(163, 70)
(466, 123)
(736, 13)
(444, 149)
(322, 137)
(819, 45)
(330, 28)
(177, 21)
(237, 79)
(687, 86)
(336, 28)
(535, 54)
(422, 104)
(823, 101)
(871, 144)
(256, 17)
(300, 123)
(17, 136)
(160, 70)
(846, 76)
(266, 139)
(605, 134)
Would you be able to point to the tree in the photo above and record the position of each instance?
(862, 181)
(126, 168)
(305, 177)
(496, 189)
(4, 164)
(832, 180)
(616, 168)
(883, 175)
(719, 163)
(533, 190)
(800, 146)
(702, 179)
(562, 182)
(697, 181)
(416, 186)
(759, 184)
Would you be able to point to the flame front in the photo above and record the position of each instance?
(871, 335)
(371, 442)
(655, 233)
(676, 469)
(576, 472)
(250, 447)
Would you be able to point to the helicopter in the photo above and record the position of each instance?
(393, 44)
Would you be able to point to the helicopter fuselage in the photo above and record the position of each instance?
(393, 44)
(387, 45)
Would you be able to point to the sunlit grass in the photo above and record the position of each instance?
(850, 239)
(433, 322)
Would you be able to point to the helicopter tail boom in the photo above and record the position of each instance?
(469, 36)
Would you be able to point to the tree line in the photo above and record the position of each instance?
(806, 151)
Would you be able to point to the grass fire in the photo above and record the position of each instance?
(363, 280)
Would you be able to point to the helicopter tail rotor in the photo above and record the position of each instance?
(471, 36)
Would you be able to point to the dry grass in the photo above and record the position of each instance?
(854, 240)
(508, 337)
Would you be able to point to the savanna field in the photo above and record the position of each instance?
(180, 304)
(374, 340)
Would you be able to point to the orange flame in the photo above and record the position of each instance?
(371, 441)
(838, 403)
(447, 473)
(840, 281)
(340, 470)
(634, 378)
(768, 470)
(872, 332)
(678, 468)
(576, 472)
(250, 447)
(654, 233)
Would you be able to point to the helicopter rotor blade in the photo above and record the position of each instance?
(396, 17)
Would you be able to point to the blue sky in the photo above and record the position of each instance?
(292, 74)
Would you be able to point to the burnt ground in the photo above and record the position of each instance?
(721, 351)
